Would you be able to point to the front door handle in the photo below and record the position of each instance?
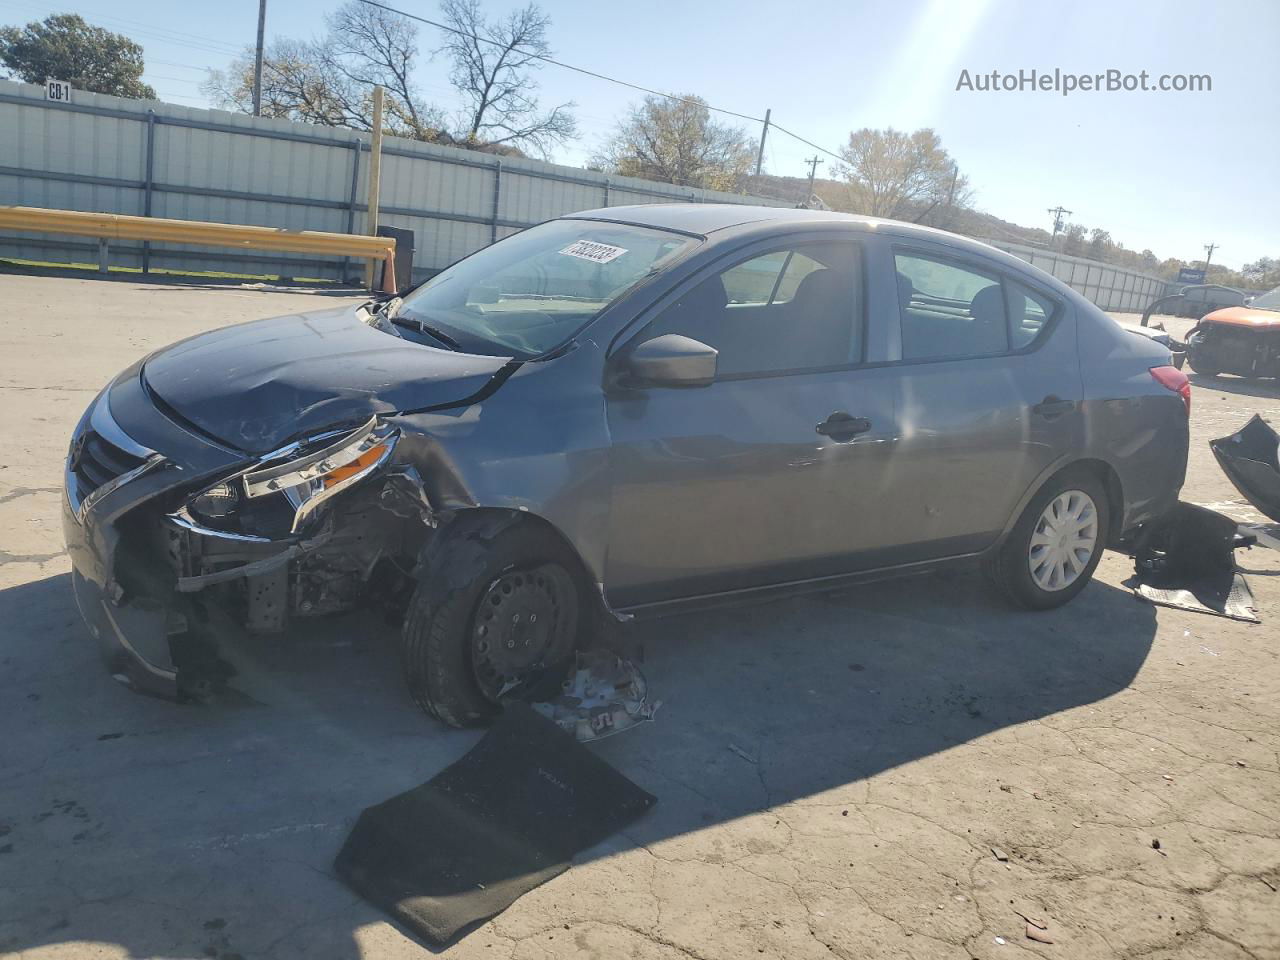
(841, 426)
(1051, 407)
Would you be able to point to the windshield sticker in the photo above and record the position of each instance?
(595, 252)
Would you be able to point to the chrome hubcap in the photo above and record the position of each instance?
(1063, 541)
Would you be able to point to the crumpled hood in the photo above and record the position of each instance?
(257, 386)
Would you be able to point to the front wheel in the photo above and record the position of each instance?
(495, 616)
(1203, 368)
(1055, 546)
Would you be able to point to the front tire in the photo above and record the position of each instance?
(495, 615)
(1052, 551)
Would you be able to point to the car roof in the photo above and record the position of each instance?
(707, 218)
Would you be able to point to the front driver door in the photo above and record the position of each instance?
(773, 471)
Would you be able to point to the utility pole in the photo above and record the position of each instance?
(763, 133)
(1208, 255)
(813, 169)
(257, 60)
(375, 176)
(1058, 212)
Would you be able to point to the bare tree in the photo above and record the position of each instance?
(901, 175)
(371, 46)
(330, 81)
(493, 63)
(674, 140)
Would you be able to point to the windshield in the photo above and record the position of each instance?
(1268, 301)
(534, 290)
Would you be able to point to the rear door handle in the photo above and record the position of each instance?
(842, 426)
(1051, 407)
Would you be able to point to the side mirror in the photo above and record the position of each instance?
(672, 361)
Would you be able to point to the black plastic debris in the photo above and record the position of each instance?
(505, 818)
(1249, 459)
(1187, 560)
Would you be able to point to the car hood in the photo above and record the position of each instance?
(1243, 317)
(257, 386)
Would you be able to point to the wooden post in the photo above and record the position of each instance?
(375, 176)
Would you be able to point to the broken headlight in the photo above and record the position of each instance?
(284, 489)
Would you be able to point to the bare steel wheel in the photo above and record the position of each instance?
(519, 628)
(1055, 545)
(1063, 541)
(496, 615)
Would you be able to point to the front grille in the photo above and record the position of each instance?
(99, 462)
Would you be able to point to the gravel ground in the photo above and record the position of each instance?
(902, 770)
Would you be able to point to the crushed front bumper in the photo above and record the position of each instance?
(110, 473)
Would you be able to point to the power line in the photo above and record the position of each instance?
(599, 76)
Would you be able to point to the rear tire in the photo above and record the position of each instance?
(1052, 551)
(520, 571)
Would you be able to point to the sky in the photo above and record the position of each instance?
(1169, 171)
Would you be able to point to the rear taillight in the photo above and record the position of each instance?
(1171, 378)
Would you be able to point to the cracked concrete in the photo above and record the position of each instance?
(893, 735)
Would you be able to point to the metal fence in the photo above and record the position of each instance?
(112, 155)
(1110, 287)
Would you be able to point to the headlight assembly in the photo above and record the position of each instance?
(298, 478)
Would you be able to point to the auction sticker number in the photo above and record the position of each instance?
(595, 252)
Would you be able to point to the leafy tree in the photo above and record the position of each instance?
(901, 175)
(64, 47)
(1073, 241)
(493, 65)
(1099, 244)
(1263, 273)
(674, 140)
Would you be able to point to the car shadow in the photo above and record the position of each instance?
(1237, 386)
(214, 827)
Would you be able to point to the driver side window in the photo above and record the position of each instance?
(786, 311)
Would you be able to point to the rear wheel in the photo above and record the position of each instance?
(1055, 546)
(493, 617)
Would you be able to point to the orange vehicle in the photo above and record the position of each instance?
(1240, 340)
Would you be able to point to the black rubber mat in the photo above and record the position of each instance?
(508, 816)
(1187, 560)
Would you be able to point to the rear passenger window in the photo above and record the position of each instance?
(949, 311)
(1029, 312)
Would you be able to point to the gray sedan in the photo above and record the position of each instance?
(625, 412)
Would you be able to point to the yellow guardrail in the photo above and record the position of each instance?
(116, 226)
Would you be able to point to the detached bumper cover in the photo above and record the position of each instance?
(1249, 459)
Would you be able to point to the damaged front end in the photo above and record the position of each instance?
(163, 550)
